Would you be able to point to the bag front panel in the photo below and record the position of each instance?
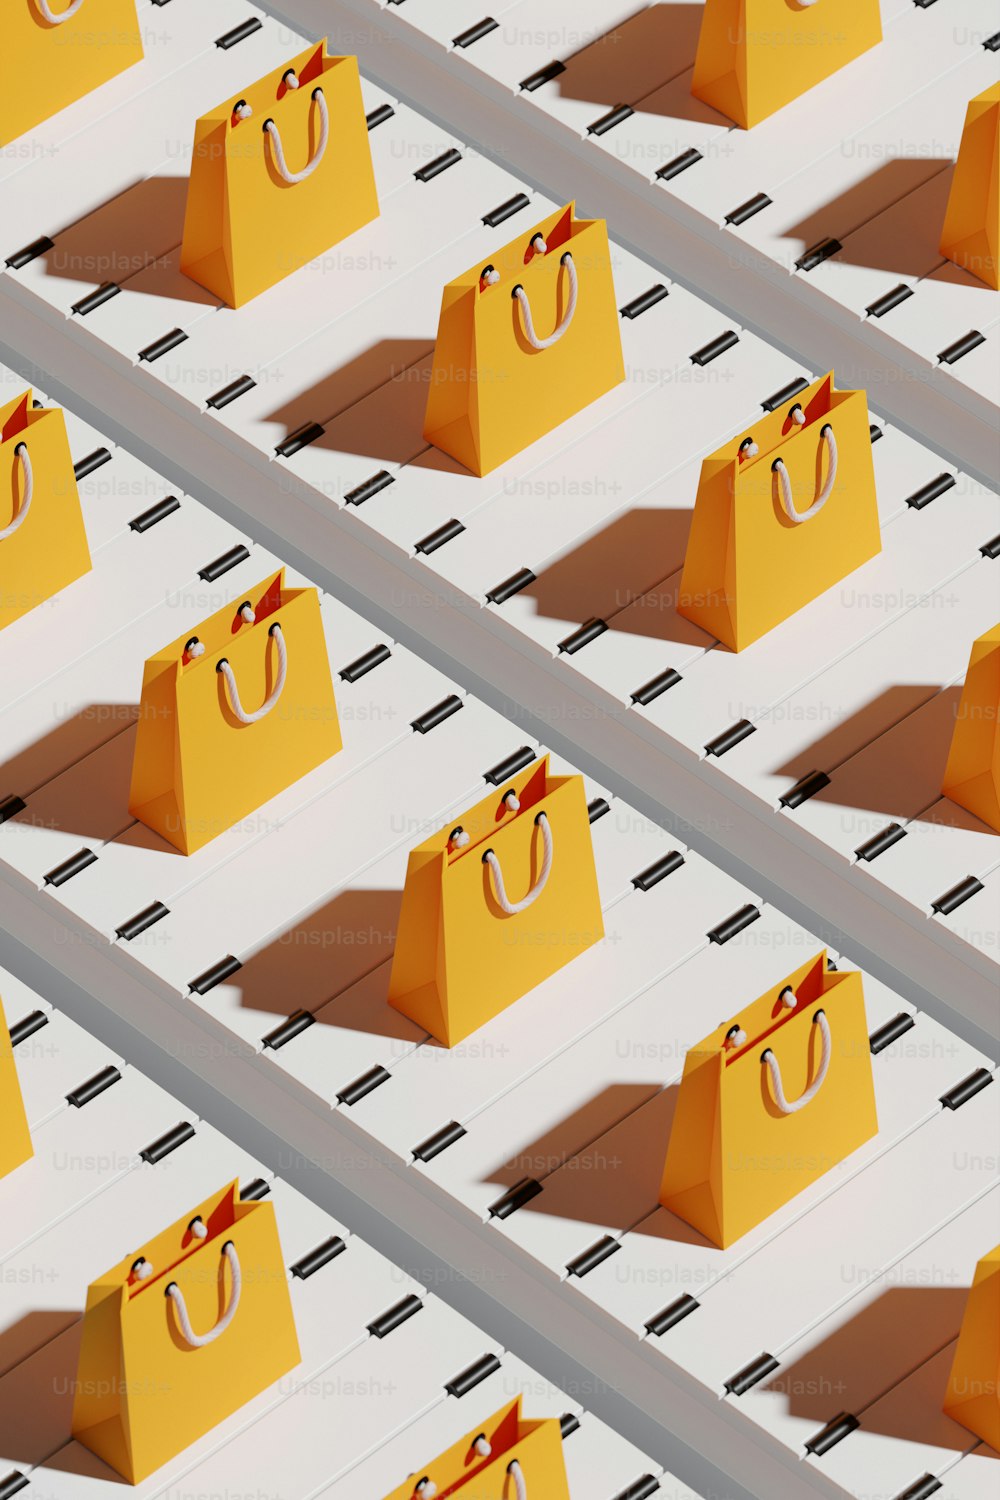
(774, 565)
(781, 565)
(767, 1157)
(228, 769)
(15, 1139)
(452, 930)
(45, 67)
(49, 549)
(490, 958)
(272, 227)
(513, 392)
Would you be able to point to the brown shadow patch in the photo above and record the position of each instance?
(635, 58)
(124, 235)
(852, 734)
(71, 740)
(550, 1152)
(614, 567)
(29, 1334)
(818, 1385)
(36, 1397)
(324, 955)
(614, 1181)
(862, 203)
(387, 361)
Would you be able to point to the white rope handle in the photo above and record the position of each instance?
(516, 1473)
(789, 1108)
(47, 14)
(271, 130)
(275, 693)
(785, 483)
(21, 452)
(199, 1340)
(529, 327)
(500, 890)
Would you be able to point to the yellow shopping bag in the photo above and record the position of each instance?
(508, 1456)
(972, 775)
(769, 1102)
(782, 514)
(278, 175)
(756, 56)
(15, 1140)
(55, 51)
(43, 545)
(232, 715)
(495, 904)
(971, 233)
(180, 1335)
(973, 1396)
(524, 342)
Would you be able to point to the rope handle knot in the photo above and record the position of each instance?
(499, 888)
(222, 666)
(272, 132)
(174, 1294)
(27, 491)
(785, 483)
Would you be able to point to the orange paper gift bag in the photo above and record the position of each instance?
(782, 514)
(495, 904)
(524, 342)
(278, 175)
(769, 1102)
(233, 714)
(180, 1335)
